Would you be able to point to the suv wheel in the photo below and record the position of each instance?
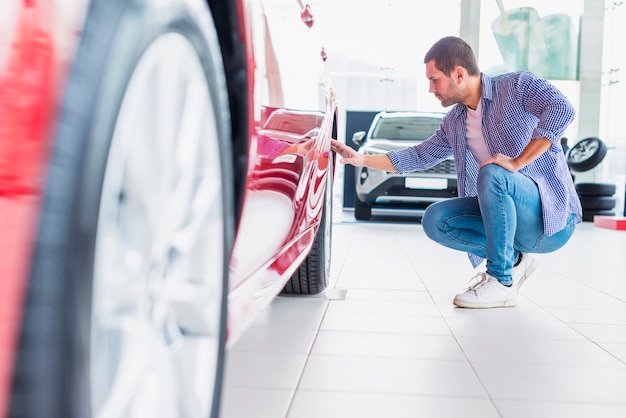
(362, 210)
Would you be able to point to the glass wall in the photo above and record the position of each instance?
(376, 50)
(536, 35)
(612, 121)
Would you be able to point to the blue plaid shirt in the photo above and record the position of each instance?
(517, 107)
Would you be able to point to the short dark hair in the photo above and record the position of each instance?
(450, 52)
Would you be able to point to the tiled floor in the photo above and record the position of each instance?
(386, 341)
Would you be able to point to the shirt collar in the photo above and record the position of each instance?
(487, 92)
(460, 109)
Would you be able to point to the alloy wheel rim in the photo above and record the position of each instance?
(158, 267)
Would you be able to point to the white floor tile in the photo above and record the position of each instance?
(493, 324)
(398, 324)
(238, 402)
(525, 311)
(317, 404)
(538, 352)
(276, 340)
(391, 376)
(378, 307)
(387, 345)
(263, 370)
(561, 292)
(381, 281)
(618, 350)
(507, 381)
(526, 409)
(386, 341)
(590, 316)
(293, 312)
(402, 295)
(602, 333)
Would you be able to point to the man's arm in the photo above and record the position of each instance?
(549, 104)
(350, 156)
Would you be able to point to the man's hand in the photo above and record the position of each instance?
(503, 161)
(533, 150)
(348, 155)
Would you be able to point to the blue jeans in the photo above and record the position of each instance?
(487, 225)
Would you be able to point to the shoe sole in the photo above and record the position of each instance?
(472, 305)
(530, 270)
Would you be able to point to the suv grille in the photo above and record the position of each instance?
(403, 191)
(444, 167)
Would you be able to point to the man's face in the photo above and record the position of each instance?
(445, 87)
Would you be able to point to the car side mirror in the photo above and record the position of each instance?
(357, 137)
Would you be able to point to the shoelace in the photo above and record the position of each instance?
(479, 280)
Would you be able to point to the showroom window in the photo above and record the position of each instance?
(376, 50)
(539, 36)
(613, 96)
(535, 35)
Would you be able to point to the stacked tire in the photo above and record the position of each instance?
(595, 198)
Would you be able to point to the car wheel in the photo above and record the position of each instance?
(586, 154)
(126, 305)
(312, 276)
(362, 210)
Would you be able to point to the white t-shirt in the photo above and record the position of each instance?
(474, 133)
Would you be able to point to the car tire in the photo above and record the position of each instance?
(313, 274)
(362, 210)
(597, 202)
(126, 302)
(596, 189)
(586, 154)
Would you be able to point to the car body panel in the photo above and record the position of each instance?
(294, 110)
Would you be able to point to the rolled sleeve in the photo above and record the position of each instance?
(404, 161)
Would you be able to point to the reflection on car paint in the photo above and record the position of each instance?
(277, 188)
(284, 197)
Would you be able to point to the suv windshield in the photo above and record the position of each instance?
(406, 128)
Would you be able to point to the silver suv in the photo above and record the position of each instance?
(374, 188)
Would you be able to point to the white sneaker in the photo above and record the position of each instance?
(525, 268)
(486, 292)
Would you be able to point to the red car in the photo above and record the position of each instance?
(165, 172)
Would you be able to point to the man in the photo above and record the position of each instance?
(516, 195)
(564, 145)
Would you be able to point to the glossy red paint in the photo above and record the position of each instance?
(289, 154)
(27, 105)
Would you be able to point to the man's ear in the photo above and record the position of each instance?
(458, 73)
